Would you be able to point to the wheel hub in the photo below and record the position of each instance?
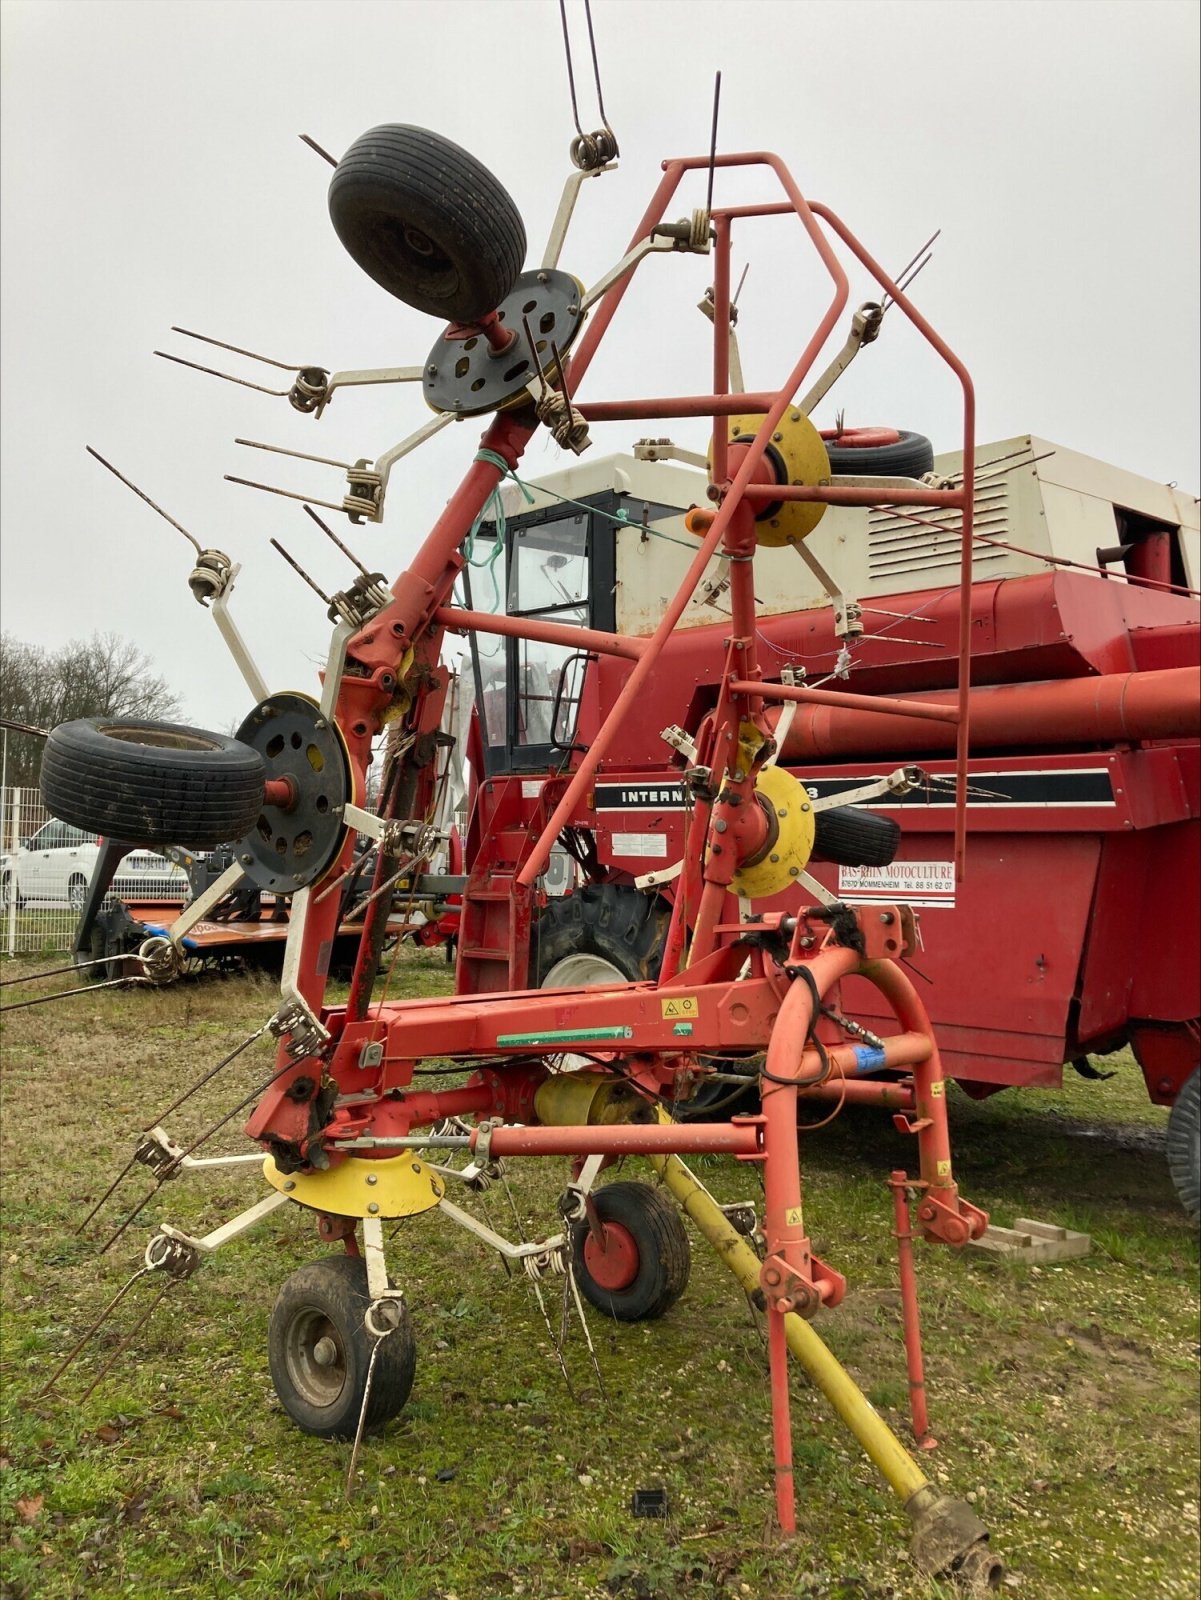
(612, 1260)
(292, 844)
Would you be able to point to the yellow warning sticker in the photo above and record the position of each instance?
(681, 1006)
(794, 1217)
(944, 1169)
(937, 1088)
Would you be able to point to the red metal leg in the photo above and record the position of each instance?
(910, 1316)
(781, 1423)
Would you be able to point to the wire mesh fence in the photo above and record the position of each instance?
(45, 868)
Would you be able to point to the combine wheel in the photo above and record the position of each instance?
(601, 933)
(319, 1351)
(909, 456)
(1184, 1145)
(152, 782)
(427, 221)
(642, 1268)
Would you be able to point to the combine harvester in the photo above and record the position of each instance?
(1084, 797)
(752, 959)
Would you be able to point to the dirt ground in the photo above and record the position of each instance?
(1064, 1398)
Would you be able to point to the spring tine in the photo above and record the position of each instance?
(362, 1424)
(213, 373)
(288, 494)
(136, 1212)
(65, 994)
(741, 281)
(296, 567)
(127, 1341)
(313, 145)
(570, 74)
(95, 454)
(55, 972)
(556, 1345)
(504, 1260)
(200, 1082)
(600, 102)
(712, 140)
(284, 366)
(579, 1306)
(330, 534)
(111, 1188)
(96, 1326)
(297, 455)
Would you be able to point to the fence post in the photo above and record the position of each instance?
(14, 836)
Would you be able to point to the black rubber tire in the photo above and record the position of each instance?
(1184, 1145)
(851, 836)
(152, 783)
(614, 921)
(328, 1299)
(664, 1253)
(911, 457)
(427, 221)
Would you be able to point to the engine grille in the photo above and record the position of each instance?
(898, 547)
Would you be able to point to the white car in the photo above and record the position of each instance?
(55, 866)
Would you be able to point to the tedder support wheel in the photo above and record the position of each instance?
(852, 836)
(152, 782)
(642, 1267)
(911, 456)
(601, 933)
(1184, 1145)
(319, 1351)
(427, 221)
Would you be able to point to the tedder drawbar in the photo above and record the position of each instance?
(347, 1129)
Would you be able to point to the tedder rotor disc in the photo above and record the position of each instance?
(466, 376)
(291, 845)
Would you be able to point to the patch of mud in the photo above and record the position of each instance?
(1132, 1137)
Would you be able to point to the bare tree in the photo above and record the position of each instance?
(104, 676)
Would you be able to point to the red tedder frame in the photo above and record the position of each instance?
(738, 987)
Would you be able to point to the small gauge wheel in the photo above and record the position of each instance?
(639, 1267)
(319, 1351)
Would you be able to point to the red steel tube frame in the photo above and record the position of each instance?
(910, 1315)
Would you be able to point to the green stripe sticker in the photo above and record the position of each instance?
(564, 1036)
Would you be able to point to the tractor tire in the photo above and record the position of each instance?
(1184, 1145)
(644, 1268)
(910, 457)
(319, 1351)
(601, 933)
(427, 221)
(152, 783)
(850, 836)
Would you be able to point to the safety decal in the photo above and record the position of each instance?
(680, 1007)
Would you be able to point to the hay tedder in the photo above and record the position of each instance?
(351, 1124)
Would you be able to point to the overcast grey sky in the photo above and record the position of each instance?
(152, 175)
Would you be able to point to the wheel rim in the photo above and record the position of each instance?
(612, 1261)
(76, 890)
(582, 971)
(315, 1357)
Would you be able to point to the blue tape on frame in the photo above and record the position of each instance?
(868, 1058)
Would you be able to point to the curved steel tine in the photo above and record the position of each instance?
(213, 373)
(127, 1340)
(96, 1326)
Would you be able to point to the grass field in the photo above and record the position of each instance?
(1064, 1399)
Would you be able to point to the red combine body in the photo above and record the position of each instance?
(1084, 810)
